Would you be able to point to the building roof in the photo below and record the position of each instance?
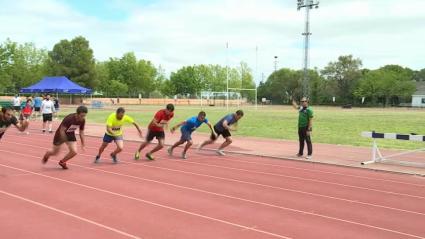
(420, 88)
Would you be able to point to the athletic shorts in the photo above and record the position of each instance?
(109, 138)
(17, 108)
(37, 109)
(155, 134)
(186, 135)
(69, 138)
(225, 133)
(47, 117)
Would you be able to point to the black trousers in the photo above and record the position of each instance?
(302, 135)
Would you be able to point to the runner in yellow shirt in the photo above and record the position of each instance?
(114, 132)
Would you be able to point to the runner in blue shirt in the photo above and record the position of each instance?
(187, 128)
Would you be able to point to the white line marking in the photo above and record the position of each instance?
(245, 227)
(258, 184)
(69, 214)
(286, 176)
(150, 202)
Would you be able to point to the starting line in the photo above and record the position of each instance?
(377, 156)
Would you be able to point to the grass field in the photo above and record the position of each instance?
(331, 125)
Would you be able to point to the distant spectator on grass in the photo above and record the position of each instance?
(17, 104)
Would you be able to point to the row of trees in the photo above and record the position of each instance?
(23, 65)
(345, 79)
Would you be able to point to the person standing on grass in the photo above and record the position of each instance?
(37, 106)
(47, 109)
(156, 130)
(8, 118)
(114, 132)
(56, 105)
(66, 134)
(223, 127)
(305, 126)
(26, 112)
(17, 104)
(187, 129)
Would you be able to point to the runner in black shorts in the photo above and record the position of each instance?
(223, 128)
(66, 134)
(156, 130)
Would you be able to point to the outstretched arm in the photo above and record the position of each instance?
(295, 105)
(83, 141)
(211, 128)
(177, 126)
(138, 129)
(22, 126)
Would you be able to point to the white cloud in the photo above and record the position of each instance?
(176, 33)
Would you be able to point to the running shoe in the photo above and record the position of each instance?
(45, 159)
(184, 156)
(137, 155)
(170, 151)
(97, 159)
(114, 158)
(149, 156)
(309, 157)
(63, 164)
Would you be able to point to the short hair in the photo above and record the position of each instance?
(170, 107)
(82, 109)
(202, 113)
(120, 110)
(4, 109)
(239, 112)
(29, 100)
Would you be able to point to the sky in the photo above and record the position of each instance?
(176, 33)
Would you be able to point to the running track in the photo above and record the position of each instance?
(205, 196)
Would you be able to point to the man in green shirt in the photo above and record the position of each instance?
(305, 126)
(114, 132)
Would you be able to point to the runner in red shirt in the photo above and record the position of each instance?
(66, 134)
(26, 113)
(156, 130)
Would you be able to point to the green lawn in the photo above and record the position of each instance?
(331, 125)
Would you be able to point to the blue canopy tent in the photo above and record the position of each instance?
(56, 84)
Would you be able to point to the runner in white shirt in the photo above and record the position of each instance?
(47, 110)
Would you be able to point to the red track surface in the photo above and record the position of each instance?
(205, 196)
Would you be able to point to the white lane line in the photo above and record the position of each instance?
(69, 214)
(245, 227)
(150, 202)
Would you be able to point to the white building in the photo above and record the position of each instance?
(418, 98)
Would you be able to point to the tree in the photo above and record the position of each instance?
(390, 82)
(344, 74)
(20, 65)
(281, 86)
(247, 81)
(185, 81)
(74, 59)
(148, 77)
(419, 75)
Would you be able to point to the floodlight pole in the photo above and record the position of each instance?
(227, 77)
(307, 4)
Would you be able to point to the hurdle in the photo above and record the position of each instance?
(377, 156)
